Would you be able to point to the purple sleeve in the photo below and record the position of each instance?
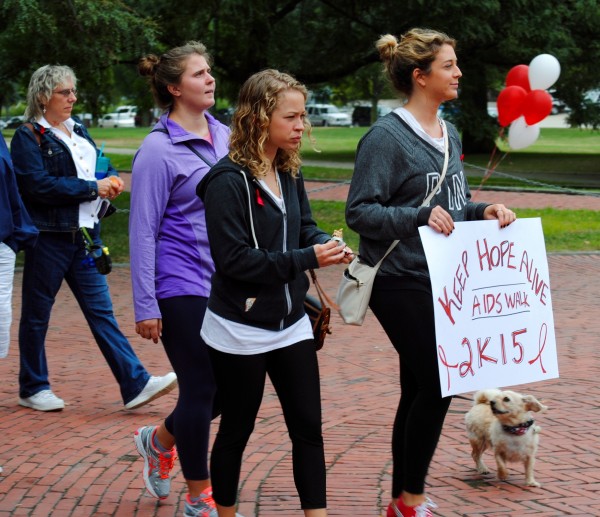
(151, 184)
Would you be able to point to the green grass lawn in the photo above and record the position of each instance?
(564, 230)
(568, 158)
(558, 153)
(564, 155)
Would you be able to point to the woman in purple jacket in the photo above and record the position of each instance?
(171, 264)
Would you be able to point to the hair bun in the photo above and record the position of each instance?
(386, 45)
(147, 64)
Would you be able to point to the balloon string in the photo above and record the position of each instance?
(491, 165)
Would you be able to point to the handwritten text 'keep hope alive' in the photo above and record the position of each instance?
(495, 301)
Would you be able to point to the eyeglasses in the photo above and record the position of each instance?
(67, 92)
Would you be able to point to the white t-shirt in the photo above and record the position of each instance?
(84, 157)
(409, 118)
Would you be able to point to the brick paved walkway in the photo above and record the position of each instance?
(82, 462)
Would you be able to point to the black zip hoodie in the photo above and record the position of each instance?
(262, 287)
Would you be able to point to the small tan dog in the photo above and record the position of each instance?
(501, 420)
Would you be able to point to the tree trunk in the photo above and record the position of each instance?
(479, 130)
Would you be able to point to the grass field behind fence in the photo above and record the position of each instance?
(559, 154)
(560, 151)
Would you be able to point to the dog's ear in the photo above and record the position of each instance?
(533, 404)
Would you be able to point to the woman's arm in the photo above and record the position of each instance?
(35, 181)
(151, 185)
(378, 177)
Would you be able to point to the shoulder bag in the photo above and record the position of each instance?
(354, 292)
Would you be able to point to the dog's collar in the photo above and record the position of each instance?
(520, 429)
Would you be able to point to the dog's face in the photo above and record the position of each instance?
(512, 408)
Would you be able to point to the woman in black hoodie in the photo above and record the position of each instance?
(263, 239)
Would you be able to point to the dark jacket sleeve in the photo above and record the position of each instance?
(16, 227)
(36, 182)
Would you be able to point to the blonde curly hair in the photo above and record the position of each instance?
(257, 100)
(417, 48)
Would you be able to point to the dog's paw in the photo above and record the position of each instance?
(502, 474)
(533, 482)
(482, 469)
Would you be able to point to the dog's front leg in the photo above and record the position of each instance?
(529, 479)
(502, 471)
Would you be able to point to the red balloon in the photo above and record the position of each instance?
(510, 104)
(537, 106)
(519, 76)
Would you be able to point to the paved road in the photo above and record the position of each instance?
(81, 462)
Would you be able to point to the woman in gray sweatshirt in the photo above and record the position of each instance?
(399, 162)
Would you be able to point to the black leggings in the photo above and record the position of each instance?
(407, 318)
(294, 372)
(196, 406)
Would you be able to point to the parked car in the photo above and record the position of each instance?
(108, 120)
(2, 123)
(14, 122)
(124, 116)
(327, 115)
(361, 115)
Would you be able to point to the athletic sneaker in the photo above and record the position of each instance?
(204, 507)
(154, 388)
(43, 400)
(157, 464)
(403, 510)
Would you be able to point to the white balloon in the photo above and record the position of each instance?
(543, 71)
(520, 135)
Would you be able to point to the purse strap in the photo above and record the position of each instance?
(431, 194)
(188, 145)
(323, 297)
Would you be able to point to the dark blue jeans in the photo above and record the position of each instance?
(58, 256)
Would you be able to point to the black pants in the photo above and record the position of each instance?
(294, 372)
(196, 405)
(407, 318)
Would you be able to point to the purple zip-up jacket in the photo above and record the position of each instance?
(169, 250)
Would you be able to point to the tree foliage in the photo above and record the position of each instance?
(90, 36)
(322, 42)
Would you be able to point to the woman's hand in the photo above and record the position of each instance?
(498, 211)
(441, 221)
(332, 253)
(117, 183)
(110, 187)
(149, 329)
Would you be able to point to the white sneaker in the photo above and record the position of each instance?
(43, 400)
(155, 387)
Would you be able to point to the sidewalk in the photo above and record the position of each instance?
(82, 462)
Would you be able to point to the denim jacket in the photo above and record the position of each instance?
(47, 177)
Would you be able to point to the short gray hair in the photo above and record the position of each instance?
(41, 86)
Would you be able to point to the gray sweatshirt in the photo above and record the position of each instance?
(394, 172)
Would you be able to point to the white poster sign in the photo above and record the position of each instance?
(493, 308)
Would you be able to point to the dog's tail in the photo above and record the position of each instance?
(485, 396)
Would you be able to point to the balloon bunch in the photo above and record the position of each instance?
(523, 103)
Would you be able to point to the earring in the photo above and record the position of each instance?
(44, 109)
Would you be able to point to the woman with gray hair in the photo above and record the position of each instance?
(55, 163)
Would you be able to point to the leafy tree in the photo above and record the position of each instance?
(89, 36)
(322, 42)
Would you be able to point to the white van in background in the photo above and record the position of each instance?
(123, 116)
